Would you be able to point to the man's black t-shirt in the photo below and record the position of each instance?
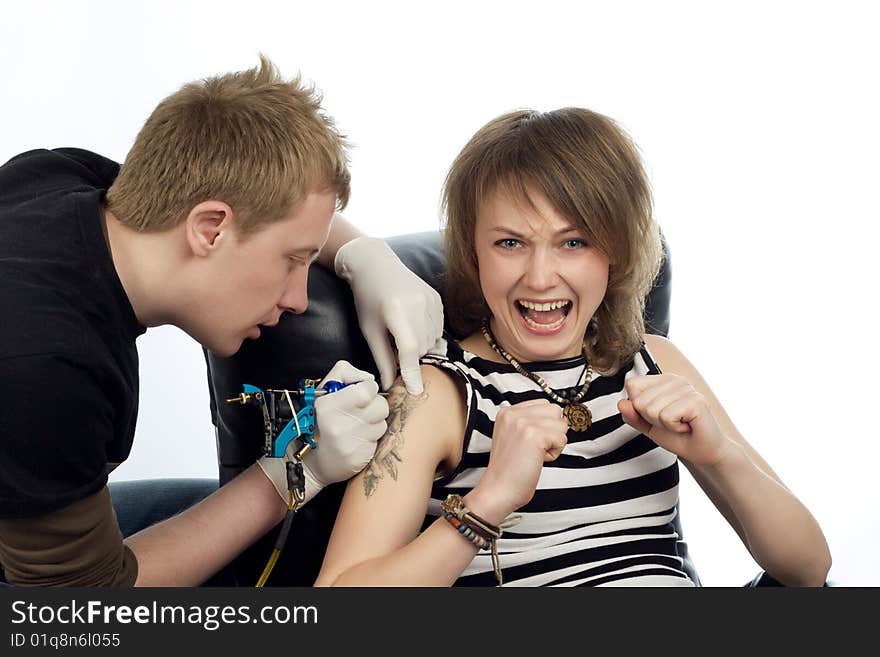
(68, 361)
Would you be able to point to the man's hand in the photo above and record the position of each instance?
(349, 423)
(390, 299)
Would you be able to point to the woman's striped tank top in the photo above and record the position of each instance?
(602, 512)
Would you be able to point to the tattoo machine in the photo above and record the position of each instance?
(283, 424)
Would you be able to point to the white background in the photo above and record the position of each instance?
(759, 127)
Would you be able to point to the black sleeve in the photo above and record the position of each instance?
(55, 423)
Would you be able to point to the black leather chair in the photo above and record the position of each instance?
(307, 346)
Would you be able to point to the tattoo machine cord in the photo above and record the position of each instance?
(296, 489)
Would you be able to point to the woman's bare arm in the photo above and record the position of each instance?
(376, 540)
(777, 529)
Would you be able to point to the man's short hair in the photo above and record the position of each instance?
(591, 173)
(250, 139)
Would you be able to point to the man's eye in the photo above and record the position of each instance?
(508, 243)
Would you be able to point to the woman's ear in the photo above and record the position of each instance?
(207, 226)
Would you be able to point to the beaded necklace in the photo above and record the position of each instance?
(576, 414)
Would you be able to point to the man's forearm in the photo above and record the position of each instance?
(341, 232)
(188, 548)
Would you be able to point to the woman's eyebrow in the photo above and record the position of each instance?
(506, 230)
(515, 233)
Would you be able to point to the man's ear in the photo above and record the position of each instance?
(207, 226)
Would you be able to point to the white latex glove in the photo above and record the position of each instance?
(348, 424)
(389, 298)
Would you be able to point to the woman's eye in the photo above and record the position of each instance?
(575, 244)
(509, 243)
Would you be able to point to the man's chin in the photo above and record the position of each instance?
(225, 350)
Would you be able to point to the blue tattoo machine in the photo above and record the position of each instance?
(282, 421)
(282, 424)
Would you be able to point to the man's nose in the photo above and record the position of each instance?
(296, 295)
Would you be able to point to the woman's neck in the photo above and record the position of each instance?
(477, 345)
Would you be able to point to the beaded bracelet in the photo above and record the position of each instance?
(465, 530)
(475, 528)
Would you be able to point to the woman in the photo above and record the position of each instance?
(544, 449)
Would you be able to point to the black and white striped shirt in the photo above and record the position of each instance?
(602, 512)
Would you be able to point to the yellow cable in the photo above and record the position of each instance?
(268, 569)
(276, 552)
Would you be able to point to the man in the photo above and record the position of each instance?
(227, 196)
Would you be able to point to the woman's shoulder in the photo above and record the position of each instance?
(436, 417)
(439, 385)
(667, 356)
(438, 392)
(657, 345)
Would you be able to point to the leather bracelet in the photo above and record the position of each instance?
(455, 506)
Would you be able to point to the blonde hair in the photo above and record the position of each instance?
(250, 139)
(590, 171)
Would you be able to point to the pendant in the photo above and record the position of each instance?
(578, 416)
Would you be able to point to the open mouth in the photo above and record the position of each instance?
(544, 315)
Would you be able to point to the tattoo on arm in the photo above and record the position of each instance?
(387, 456)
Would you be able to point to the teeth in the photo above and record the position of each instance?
(546, 327)
(552, 305)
